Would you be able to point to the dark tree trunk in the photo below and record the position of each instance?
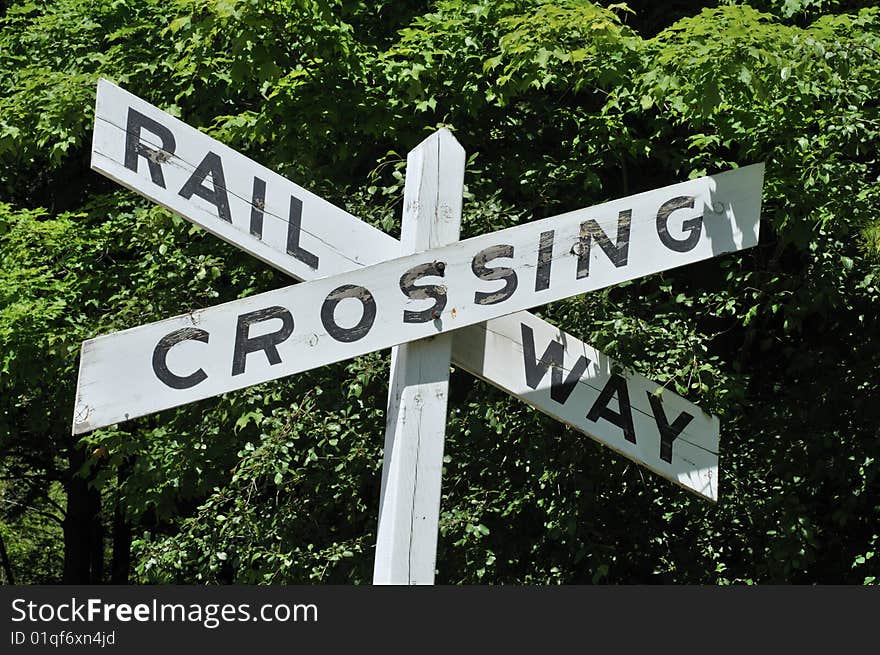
(96, 554)
(4, 559)
(83, 534)
(121, 563)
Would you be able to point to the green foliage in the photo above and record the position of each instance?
(560, 104)
(32, 534)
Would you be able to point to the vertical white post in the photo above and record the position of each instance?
(409, 505)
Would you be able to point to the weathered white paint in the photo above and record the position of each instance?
(409, 505)
(340, 241)
(373, 246)
(116, 376)
(693, 463)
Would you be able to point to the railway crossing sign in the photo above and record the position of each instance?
(443, 298)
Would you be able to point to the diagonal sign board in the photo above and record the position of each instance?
(159, 162)
(150, 152)
(297, 328)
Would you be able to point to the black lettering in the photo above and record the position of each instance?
(329, 307)
(216, 195)
(268, 343)
(545, 260)
(160, 355)
(692, 225)
(623, 419)
(554, 356)
(258, 205)
(135, 148)
(294, 227)
(478, 266)
(617, 252)
(668, 433)
(435, 291)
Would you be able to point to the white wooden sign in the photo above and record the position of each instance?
(117, 144)
(246, 342)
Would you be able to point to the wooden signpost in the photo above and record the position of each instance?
(366, 293)
(409, 503)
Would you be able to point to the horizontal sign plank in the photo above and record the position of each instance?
(264, 337)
